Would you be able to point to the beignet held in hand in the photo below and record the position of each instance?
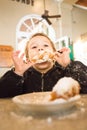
(43, 56)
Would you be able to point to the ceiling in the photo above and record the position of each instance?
(79, 3)
(70, 1)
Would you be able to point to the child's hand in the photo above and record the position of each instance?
(62, 56)
(20, 65)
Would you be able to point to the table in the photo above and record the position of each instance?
(12, 118)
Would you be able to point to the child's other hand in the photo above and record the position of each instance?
(62, 56)
(20, 65)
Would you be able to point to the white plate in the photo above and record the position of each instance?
(39, 103)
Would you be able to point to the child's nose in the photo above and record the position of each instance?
(40, 49)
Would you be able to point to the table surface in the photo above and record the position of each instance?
(13, 118)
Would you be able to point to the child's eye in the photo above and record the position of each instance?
(33, 47)
(46, 45)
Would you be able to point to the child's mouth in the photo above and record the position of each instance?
(43, 57)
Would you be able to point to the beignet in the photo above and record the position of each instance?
(65, 88)
(42, 57)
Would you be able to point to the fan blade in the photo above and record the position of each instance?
(54, 16)
(50, 16)
(45, 17)
(49, 22)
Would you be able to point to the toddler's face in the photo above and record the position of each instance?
(37, 45)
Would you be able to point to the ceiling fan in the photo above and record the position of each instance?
(46, 15)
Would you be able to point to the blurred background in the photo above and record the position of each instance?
(64, 21)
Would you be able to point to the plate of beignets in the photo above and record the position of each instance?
(44, 102)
